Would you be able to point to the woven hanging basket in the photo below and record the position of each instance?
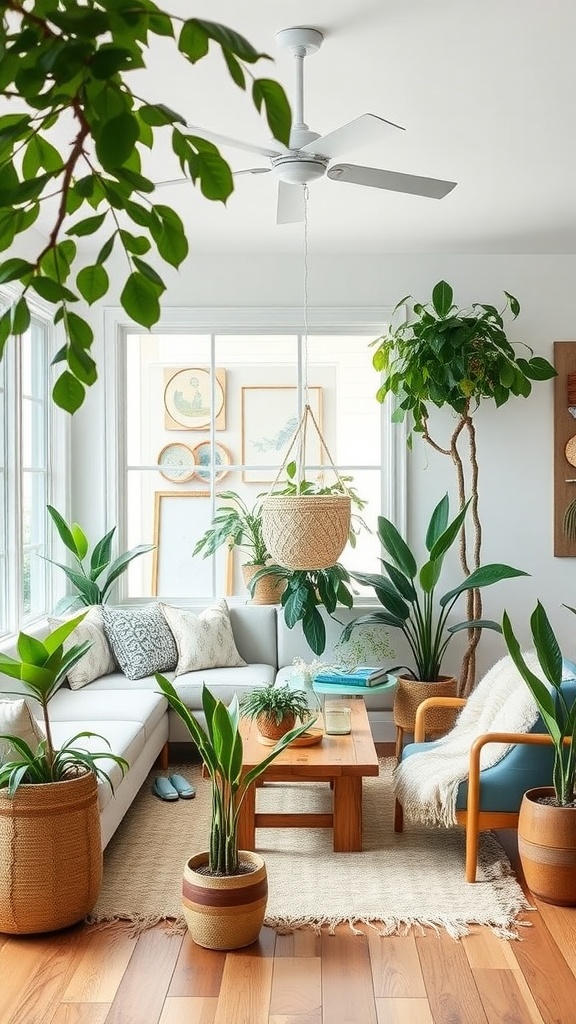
(51, 855)
(307, 531)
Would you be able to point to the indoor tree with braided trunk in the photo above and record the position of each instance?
(456, 358)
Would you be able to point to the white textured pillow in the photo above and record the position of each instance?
(203, 641)
(16, 720)
(99, 659)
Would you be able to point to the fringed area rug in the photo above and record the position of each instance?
(399, 881)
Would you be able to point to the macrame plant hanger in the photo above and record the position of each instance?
(306, 531)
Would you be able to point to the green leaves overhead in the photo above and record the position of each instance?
(71, 63)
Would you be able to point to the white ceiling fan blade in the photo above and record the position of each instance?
(252, 170)
(290, 208)
(249, 147)
(433, 188)
(359, 132)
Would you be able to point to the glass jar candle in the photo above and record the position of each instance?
(337, 721)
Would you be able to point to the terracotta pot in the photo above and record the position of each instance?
(411, 692)
(224, 911)
(268, 590)
(547, 848)
(51, 855)
(273, 730)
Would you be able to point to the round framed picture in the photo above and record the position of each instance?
(176, 462)
(187, 398)
(203, 458)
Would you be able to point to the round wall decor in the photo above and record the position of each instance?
(570, 450)
(176, 462)
(187, 398)
(203, 458)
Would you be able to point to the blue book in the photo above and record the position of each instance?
(362, 675)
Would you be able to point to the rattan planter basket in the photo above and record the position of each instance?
(307, 531)
(224, 911)
(409, 695)
(51, 855)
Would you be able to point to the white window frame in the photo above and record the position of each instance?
(344, 320)
(56, 428)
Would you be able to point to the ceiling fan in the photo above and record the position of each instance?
(309, 154)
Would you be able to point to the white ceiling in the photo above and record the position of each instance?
(485, 89)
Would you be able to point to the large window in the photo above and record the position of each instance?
(206, 411)
(26, 435)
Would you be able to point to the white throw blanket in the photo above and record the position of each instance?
(427, 783)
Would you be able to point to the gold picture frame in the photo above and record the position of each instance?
(188, 398)
(175, 533)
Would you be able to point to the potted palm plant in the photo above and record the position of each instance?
(224, 890)
(237, 525)
(86, 576)
(408, 595)
(547, 819)
(49, 818)
(275, 710)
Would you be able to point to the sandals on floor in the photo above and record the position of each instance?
(182, 787)
(164, 789)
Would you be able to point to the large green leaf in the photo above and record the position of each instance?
(31, 649)
(64, 531)
(56, 638)
(396, 547)
(442, 296)
(485, 576)
(446, 539)
(438, 522)
(120, 564)
(540, 692)
(101, 555)
(547, 646)
(314, 630)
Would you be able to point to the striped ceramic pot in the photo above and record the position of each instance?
(224, 911)
(547, 847)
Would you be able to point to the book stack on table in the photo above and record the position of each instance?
(362, 675)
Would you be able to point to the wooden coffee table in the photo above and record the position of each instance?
(342, 761)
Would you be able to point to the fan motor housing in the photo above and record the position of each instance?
(298, 170)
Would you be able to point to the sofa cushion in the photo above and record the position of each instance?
(204, 641)
(223, 683)
(126, 739)
(99, 659)
(140, 639)
(91, 705)
(17, 720)
(117, 681)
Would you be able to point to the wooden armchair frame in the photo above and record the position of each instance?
(472, 819)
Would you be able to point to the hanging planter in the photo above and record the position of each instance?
(303, 530)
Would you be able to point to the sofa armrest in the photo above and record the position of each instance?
(433, 702)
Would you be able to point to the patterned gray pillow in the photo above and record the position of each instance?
(140, 639)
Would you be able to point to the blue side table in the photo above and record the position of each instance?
(349, 690)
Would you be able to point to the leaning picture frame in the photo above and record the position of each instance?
(180, 518)
(188, 398)
(269, 416)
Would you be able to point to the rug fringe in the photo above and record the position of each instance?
(137, 924)
(395, 926)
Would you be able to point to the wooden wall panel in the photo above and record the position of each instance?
(564, 429)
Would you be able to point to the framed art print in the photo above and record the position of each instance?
(188, 398)
(269, 422)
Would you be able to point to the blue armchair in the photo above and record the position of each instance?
(490, 798)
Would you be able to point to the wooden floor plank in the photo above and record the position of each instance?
(264, 946)
(404, 1011)
(143, 989)
(452, 994)
(485, 950)
(396, 970)
(81, 1013)
(547, 974)
(34, 973)
(534, 1015)
(296, 986)
(561, 921)
(102, 958)
(347, 990)
(198, 971)
(245, 990)
(189, 1010)
(501, 998)
(308, 1018)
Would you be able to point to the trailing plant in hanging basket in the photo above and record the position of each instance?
(446, 356)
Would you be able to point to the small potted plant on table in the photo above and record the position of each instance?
(275, 710)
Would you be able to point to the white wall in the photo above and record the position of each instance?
(514, 443)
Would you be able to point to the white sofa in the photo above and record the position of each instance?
(134, 716)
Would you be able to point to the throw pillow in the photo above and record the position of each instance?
(98, 660)
(140, 639)
(205, 640)
(16, 720)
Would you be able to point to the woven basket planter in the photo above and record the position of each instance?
(409, 695)
(273, 730)
(51, 855)
(224, 911)
(307, 531)
(268, 590)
